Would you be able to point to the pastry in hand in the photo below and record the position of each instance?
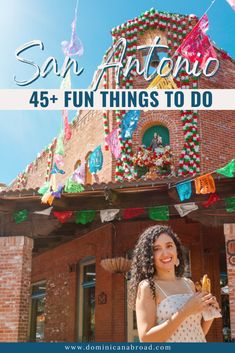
(206, 284)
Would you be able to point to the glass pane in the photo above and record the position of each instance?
(89, 314)
(89, 273)
(38, 313)
(160, 130)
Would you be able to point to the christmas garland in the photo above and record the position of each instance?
(176, 27)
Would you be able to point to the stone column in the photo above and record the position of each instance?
(229, 232)
(15, 280)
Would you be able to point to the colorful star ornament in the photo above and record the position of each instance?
(84, 217)
(20, 216)
(63, 216)
(159, 213)
(129, 123)
(228, 170)
(184, 190)
(95, 160)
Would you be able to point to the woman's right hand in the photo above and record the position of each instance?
(197, 303)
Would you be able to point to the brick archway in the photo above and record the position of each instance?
(171, 120)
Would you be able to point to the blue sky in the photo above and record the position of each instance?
(25, 133)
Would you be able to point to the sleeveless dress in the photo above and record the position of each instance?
(190, 330)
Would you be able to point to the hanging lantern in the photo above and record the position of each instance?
(116, 264)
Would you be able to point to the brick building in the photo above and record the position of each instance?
(51, 273)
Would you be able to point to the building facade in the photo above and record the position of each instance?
(63, 293)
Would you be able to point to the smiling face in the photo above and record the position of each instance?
(164, 253)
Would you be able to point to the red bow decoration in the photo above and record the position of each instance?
(132, 212)
(63, 216)
(213, 198)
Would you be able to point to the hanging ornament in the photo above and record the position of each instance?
(84, 217)
(95, 160)
(230, 204)
(47, 198)
(20, 216)
(228, 170)
(186, 208)
(114, 143)
(75, 46)
(45, 188)
(132, 212)
(56, 170)
(129, 123)
(213, 198)
(60, 144)
(79, 174)
(159, 213)
(67, 128)
(108, 215)
(72, 186)
(57, 194)
(58, 160)
(45, 212)
(63, 216)
(205, 184)
(184, 190)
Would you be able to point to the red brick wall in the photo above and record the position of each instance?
(217, 136)
(61, 285)
(15, 278)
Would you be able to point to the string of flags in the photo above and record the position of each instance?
(204, 184)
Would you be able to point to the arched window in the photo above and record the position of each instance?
(160, 130)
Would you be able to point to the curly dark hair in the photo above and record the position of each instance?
(142, 267)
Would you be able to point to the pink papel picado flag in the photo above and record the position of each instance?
(197, 45)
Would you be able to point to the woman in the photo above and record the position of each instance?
(167, 307)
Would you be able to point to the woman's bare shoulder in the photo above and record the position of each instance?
(144, 290)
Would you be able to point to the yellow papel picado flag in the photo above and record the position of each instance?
(163, 82)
